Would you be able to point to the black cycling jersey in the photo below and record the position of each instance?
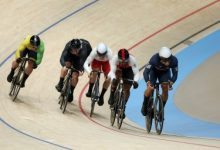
(76, 60)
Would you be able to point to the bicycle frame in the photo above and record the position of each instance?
(17, 79)
(158, 111)
(66, 89)
(119, 104)
(95, 92)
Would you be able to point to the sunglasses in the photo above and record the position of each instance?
(164, 59)
(101, 55)
(123, 61)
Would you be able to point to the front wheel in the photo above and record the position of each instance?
(158, 114)
(114, 108)
(149, 116)
(121, 110)
(65, 95)
(15, 85)
(94, 97)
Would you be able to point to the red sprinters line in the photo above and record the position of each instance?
(135, 45)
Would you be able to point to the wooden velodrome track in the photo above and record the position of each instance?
(34, 120)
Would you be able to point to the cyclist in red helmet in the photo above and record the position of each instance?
(123, 66)
(32, 46)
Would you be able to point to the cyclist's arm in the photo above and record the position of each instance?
(22, 47)
(86, 44)
(82, 58)
(152, 63)
(174, 72)
(109, 54)
(146, 72)
(113, 65)
(88, 61)
(40, 53)
(135, 68)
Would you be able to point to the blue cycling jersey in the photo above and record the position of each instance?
(156, 65)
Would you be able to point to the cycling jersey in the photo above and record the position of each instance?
(160, 69)
(115, 63)
(94, 56)
(76, 60)
(25, 45)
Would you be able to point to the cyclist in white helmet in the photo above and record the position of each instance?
(98, 60)
(159, 67)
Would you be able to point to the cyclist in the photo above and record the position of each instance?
(159, 68)
(32, 46)
(123, 66)
(74, 54)
(98, 61)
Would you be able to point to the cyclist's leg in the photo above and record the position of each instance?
(32, 55)
(15, 64)
(114, 84)
(127, 74)
(164, 80)
(63, 73)
(148, 92)
(75, 78)
(95, 67)
(106, 70)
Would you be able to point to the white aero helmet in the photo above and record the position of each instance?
(165, 52)
(102, 49)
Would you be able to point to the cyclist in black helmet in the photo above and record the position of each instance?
(32, 46)
(74, 54)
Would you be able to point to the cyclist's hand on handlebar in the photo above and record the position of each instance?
(18, 60)
(35, 66)
(135, 84)
(81, 73)
(170, 85)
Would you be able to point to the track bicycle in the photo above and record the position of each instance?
(118, 107)
(64, 94)
(95, 92)
(17, 78)
(155, 110)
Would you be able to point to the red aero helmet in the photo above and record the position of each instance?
(123, 55)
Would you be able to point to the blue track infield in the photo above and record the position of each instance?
(177, 122)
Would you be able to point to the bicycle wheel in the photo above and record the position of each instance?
(62, 95)
(15, 85)
(65, 95)
(158, 114)
(149, 116)
(114, 108)
(121, 110)
(94, 97)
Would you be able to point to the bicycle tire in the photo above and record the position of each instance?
(121, 109)
(114, 108)
(66, 95)
(62, 95)
(16, 84)
(149, 116)
(158, 114)
(94, 96)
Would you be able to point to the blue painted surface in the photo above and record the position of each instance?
(177, 122)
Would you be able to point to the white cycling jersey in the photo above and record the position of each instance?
(114, 63)
(94, 56)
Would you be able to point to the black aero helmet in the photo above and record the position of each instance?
(75, 43)
(35, 40)
(123, 55)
